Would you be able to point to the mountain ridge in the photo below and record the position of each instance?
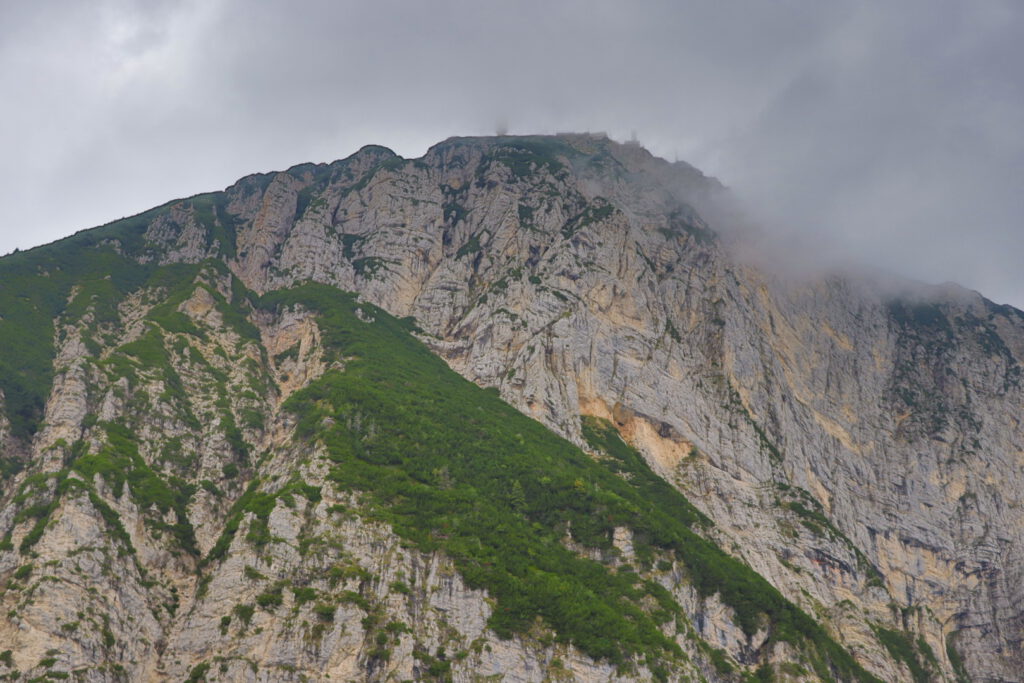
(569, 273)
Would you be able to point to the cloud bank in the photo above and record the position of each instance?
(889, 133)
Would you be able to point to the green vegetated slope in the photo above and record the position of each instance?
(452, 467)
(34, 289)
(92, 270)
(166, 482)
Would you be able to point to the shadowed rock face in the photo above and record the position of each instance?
(858, 445)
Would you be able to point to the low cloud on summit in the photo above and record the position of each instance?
(888, 133)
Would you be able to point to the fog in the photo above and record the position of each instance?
(875, 132)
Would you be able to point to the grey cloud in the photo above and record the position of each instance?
(884, 132)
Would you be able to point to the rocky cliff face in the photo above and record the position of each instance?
(167, 513)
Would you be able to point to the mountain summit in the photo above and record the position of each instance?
(510, 411)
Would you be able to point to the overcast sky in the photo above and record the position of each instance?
(886, 132)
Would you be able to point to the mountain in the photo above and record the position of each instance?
(510, 411)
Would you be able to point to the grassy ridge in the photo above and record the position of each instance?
(104, 264)
(34, 289)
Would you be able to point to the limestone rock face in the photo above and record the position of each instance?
(857, 444)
